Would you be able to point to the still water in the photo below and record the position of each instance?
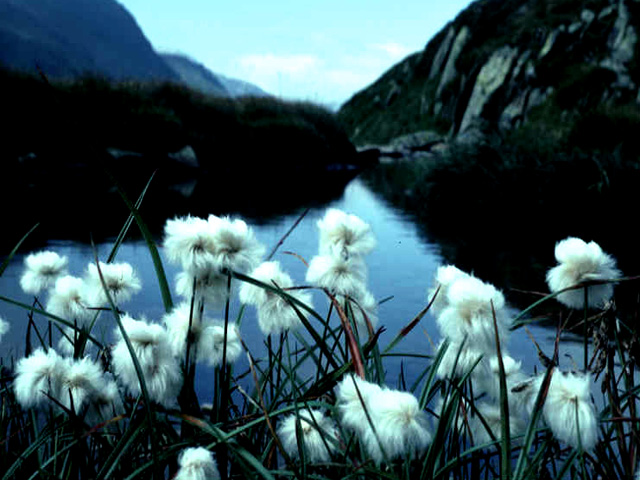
(401, 267)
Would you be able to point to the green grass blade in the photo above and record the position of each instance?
(7, 260)
(151, 245)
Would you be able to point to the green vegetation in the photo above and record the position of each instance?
(55, 153)
(558, 174)
(265, 421)
(86, 116)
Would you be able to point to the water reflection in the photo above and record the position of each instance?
(401, 267)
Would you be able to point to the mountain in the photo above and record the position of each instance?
(240, 88)
(199, 77)
(502, 64)
(195, 75)
(70, 38)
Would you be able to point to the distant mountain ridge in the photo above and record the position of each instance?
(200, 78)
(70, 38)
(74, 38)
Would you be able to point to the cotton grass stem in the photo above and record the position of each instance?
(138, 368)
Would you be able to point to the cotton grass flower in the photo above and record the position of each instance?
(41, 271)
(492, 416)
(81, 380)
(345, 235)
(445, 276)
(354, 395)
(569, 411)
(458, 360)
(472, 305)
(487, 376)
(104, 403)
(401, 427)
(67, 300)
(211, 287)
(207, 337)
(275, 313)
(318, 435)
(579, 262)
(189, 241)
(338, 275)
(120, 280)
(4, 327)
(197, 463)
(211, 344)
(363, 306)
(236, 247)
(151, 347)
(39, 376)
(177, 323)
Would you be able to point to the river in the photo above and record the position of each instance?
(401, 267)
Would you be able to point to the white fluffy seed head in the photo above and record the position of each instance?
(472, 305)
(42, 269)
(80, 382)
(319, 435)
(68, 300)
(268, 273)
(211, 287)
(487, 377)
(492, 416)
(364, 307)
(401, 427)
(344, 235)
(579, 261)
(236, 246)
(444, 278)
(210, 347)
(189, 241)
(458, 360)
(4, 327)
(177, 323)
(119, 278)
(160, 368)
(338, 275)
(197, 463)
(39, 376)
(353, 397)
(277, 315)
(104, 403)
(569, 411)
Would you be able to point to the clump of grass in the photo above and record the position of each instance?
(313, 401)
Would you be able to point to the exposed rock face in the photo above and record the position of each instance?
(491, 77)
(497, 62)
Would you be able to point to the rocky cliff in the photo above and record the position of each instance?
(501, 63)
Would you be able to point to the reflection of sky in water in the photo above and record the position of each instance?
(402, 266)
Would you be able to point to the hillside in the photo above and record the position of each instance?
(514, 128)
(501, 63)
(195, 75)
(71, 38)
(200, 78)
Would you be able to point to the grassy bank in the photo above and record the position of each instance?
(162, 117)
(54, 156)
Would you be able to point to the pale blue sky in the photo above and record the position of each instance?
(322, 51)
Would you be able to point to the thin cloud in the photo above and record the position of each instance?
(393, 49)
(270, 64)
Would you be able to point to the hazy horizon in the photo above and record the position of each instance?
(317, 51)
